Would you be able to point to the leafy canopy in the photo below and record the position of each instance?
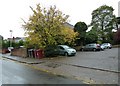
(91, 36)
(45, 27)
(81, 28)
(104, 21)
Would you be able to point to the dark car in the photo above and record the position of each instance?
(51, 51)
(91, 47)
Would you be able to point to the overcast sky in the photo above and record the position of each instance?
(79, 10)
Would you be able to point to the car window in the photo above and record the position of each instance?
(61, 48)
(91, 45)
(105, 44)
(87, 45)
(66, 47)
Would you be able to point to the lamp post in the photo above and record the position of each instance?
(11, 38)
(10, 41)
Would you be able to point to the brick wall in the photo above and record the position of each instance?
(0, 50)
(21, 52)
(4, 51)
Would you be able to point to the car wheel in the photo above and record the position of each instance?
(65, 54)
(102, 49)
(82, 49)
(94, 49)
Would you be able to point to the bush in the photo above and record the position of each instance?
(51, 51)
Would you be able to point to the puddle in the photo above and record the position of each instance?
(53, 65)
(35, 62)
(113, 57)
(62, 76)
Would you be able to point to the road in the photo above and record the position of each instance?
(105, 60)
(17, 73)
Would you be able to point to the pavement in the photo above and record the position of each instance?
(21, 59)
(65, 66)
(14, 73)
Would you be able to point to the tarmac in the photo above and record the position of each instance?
(87, 75)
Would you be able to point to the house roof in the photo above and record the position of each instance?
(69, 25)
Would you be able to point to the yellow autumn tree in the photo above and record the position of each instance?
(69, 35)
(46, 27)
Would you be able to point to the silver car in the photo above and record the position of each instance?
(66, 50)
(91, 47)
(107, 45)
(102, 47)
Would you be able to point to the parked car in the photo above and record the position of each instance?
(66, 50)
(102, 47)
(59, 50)
(91, 47)
(107, 45)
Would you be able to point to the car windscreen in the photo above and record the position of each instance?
(66, 47)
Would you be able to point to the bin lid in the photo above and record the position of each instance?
(39, 49)
(30, 50)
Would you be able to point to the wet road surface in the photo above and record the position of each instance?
(17, 73)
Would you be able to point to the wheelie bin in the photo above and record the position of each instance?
(40, 53)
